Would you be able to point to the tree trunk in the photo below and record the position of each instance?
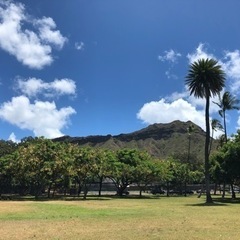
(225, 125)
(79, 189)
(167, 189)
(224, 186)
(233, 192)
(201, 191)
(215, 188)
(185, 188)
(49, 190)
(207, 142)
(100, 186)
(85, 191)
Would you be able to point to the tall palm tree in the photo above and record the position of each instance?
(206, 79)
(227, 102)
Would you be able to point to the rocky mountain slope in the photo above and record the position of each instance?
(159, 140)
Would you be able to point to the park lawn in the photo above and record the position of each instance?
(114, 218)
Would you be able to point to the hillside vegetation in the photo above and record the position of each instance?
(159, 140)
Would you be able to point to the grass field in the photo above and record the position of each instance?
(126, 218)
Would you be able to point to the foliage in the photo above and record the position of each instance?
(206, 79)
(226, 162)
(227, 102)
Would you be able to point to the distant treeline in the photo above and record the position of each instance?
(38, 166)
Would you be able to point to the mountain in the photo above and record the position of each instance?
(159, 140)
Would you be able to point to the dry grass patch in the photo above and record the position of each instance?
(164, 218)
(9, 207)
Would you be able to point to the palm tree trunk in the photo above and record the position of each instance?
(207, 142)
(210, 148)
(225, 125)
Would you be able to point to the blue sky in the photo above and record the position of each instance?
(90, 67)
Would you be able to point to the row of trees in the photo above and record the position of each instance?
(43, 165)
(225, 165)
(40, 165)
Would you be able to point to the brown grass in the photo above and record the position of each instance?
(164, 218)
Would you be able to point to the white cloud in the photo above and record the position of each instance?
(79, 46)
(33, 86)
(164, 112)
(13, 138)
(32, 49)
(176, 95)
(198, 103)
(170, 56)
(46, 27)
(43, 118)
(63, 86)
(177, 106)
(199, 53)
(231, 66)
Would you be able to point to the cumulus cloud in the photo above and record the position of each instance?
(43, 118)
(177, 106)
(164, 112)
(32, 47)
(200, 53)
(79, 46)
(33, 87)
(170, 56)
(231, 66)
(47, 34)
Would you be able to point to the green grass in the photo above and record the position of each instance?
(126, 218)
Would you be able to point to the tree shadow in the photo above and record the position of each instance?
(214, 204)
(90, 197)
(227, 200)
(219, 201)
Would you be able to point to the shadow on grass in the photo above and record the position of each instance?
(227, 200)
(214, 204)
(44, 198)
(219, 201)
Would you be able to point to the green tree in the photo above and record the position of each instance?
(39, 164)
(227, 102)
(7, 147)
(127, 161)
(148, 171)
(84, 168)
(227, 163)
(104, 164)
(206, 79)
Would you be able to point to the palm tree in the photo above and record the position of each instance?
(215, 125)
(206, 79)
(227, 102)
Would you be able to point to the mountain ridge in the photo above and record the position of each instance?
(159, 140)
